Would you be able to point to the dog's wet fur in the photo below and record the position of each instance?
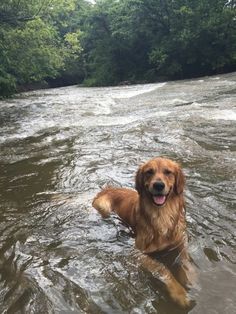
(156, 213)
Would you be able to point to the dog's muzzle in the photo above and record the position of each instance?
(158, 193)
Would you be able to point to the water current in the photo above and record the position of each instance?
(58, 147)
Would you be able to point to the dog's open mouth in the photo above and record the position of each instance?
(159, 199)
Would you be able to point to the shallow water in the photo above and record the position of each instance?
(58, 147)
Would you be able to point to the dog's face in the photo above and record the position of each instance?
(159, 179)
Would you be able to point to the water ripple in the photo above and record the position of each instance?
(58, 147)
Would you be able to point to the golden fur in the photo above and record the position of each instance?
(155, 212)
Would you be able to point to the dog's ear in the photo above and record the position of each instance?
(139, 180)
(179, 181)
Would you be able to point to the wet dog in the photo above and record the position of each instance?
(156, 214)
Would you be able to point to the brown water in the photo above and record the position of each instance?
(59, 146)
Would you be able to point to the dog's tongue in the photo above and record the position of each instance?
(159, 200)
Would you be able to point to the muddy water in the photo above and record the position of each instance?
(59, 146)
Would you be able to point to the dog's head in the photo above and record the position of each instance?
(158, 180)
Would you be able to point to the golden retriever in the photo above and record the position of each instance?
(156, 214)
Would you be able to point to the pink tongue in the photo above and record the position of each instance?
(159, 200)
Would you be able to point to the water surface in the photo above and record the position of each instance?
(58, 147)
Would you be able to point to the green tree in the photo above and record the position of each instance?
(70, 41)
(38, 41)
(33, 51)
(159, 39)
(68, 18)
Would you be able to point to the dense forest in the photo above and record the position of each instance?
(108, 42)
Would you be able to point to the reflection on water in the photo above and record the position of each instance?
(59, 146)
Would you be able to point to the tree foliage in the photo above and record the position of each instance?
(37, 41)
(73, 41)
(163, 39)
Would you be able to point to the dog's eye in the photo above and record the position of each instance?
(149, 172)
(167, 172)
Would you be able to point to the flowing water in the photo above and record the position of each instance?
(58, 147)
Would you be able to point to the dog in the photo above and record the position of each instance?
(155, 211)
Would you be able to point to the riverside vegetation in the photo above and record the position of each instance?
(63, 42)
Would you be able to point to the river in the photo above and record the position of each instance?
(58, 147)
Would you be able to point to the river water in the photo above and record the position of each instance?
(58, 147)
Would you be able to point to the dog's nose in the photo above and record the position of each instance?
(158, 186)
